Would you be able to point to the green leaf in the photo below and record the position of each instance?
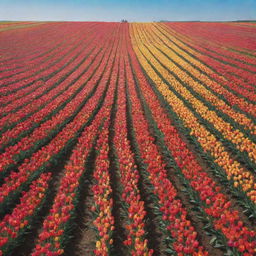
(213, 240)
(169, 251)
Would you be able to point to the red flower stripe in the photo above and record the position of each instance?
(174, 214)
(37, 64)
(12, 225)
(55, 67)
(216, 79)
(51, 48)
(31, 98)
(55, 223)
(40, 115)
(29, 45)
(103, 202)
(245, 79)
(12, 99)
(151, 32)
(211, 38)
(129, 177)
(21, 43)
(42, 156)
(217, 204)
(41, 132)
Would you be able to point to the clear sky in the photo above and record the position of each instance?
(132, 10)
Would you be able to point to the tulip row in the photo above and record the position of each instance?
(178, 80)
(103, 202)
(57, 224)
(30, 143)
(165, 130)
(6, 100)
(244, 65)
(208, 141)
(42, 158)
(239, 77)
(199, 82)
(212, 44)
(215, 81)
(210, 200)
(4, 24)
(102, 195)
(238, 55)
(40, 57)
(17, 223)
(36, 68)
(57, 100)
(129, 177)
(12, 101)
(241, 145)
(232, 74)
(54, 232)
(19, 53)
(11, 24)
(21, 26)
(25, 86)
(195, 46)
(219, 32)
(237, 150)
(174, 216)
(62, 64)
(34, 102)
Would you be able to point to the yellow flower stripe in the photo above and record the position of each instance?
(217, 87)
(207, 140)
(238, 117)
(241, 142)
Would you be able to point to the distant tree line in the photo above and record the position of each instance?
(124, 21)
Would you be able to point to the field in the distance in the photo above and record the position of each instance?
(127, 138)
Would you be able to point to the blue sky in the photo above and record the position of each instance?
(132, 10)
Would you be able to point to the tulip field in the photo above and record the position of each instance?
(127, 138)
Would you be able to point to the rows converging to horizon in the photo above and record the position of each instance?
(125, 138)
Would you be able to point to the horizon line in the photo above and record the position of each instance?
(242, 20)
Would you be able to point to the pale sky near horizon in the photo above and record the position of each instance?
(132, 10)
